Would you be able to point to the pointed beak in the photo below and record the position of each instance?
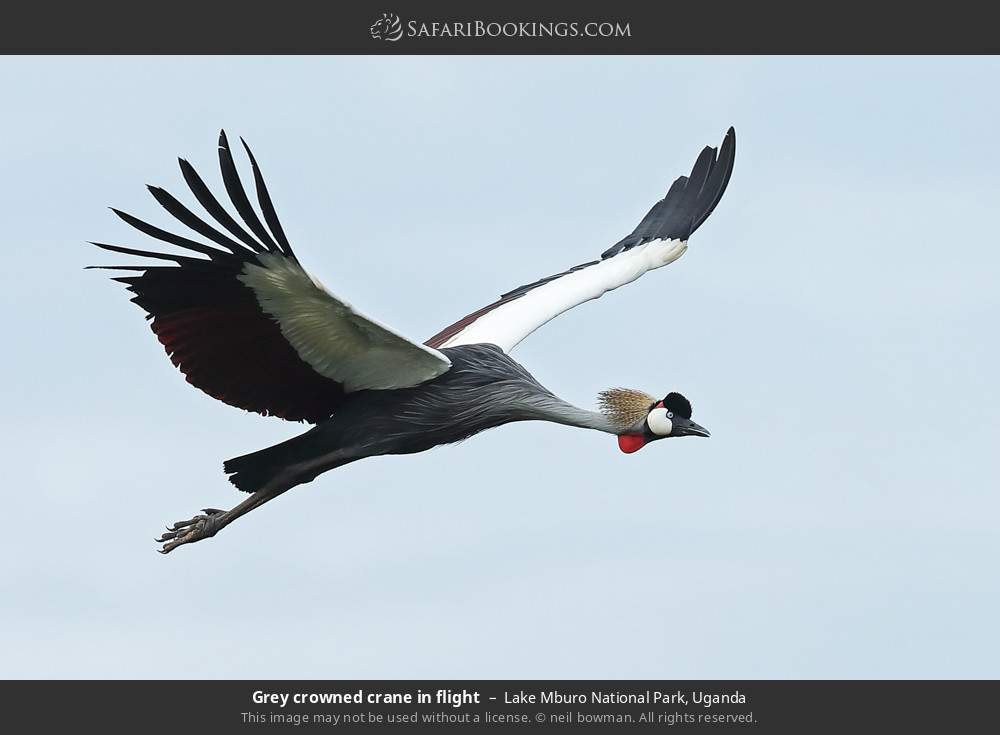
(687, 427)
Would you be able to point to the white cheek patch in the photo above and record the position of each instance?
(658, 422)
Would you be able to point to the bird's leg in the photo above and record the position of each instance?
(209, 522)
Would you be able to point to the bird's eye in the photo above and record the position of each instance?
(670, 414)
(659, 422)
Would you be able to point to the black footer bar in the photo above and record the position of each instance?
(500, 706)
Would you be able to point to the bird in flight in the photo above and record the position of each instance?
(248, 325)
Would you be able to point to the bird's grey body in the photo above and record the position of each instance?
(484, 388)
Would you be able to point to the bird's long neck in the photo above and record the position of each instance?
(552, 408)
(510, 393)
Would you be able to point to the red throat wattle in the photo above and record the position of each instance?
(629, 443)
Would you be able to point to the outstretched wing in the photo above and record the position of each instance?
(659, 239)
(247, 324)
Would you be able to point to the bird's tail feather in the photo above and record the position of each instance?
(257, 470)
(253, 471)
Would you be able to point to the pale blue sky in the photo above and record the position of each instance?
(833, 324)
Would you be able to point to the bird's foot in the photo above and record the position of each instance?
(204, 525)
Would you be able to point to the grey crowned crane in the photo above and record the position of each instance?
(245, 323)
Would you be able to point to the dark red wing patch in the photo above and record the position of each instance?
(239, 356)
(215, 332)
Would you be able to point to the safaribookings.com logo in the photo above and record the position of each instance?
(387, 28)
(390, 28)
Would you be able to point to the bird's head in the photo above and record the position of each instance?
(643, 419)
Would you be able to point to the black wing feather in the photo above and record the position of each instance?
(688, 202)
(264, 197)
(189, 218)
(181, 242)
(717, 182)
(654, 219)
(239, 196)
(179, 259)
(212, 206)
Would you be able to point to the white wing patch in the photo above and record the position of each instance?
(511, 322)
(333, 338)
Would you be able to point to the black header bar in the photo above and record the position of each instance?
(513, 27)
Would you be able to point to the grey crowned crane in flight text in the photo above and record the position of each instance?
(246, 324)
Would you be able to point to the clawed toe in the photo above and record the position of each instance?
(191, 530)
